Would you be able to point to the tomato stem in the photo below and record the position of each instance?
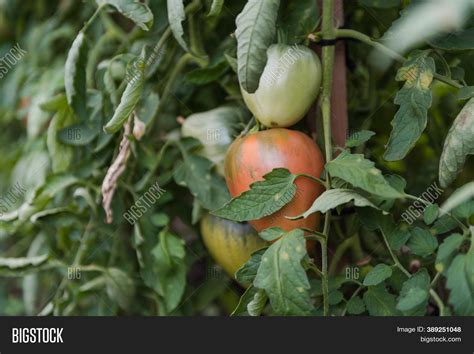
(328, 52)
(348, 33)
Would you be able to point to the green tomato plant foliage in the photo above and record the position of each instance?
(115, 119)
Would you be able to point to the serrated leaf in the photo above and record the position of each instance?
(176, 16)
(255, 33)
(195, 173)
(247, 273)
(414, 100)
(75, 76)
(414, 294)
(333, 198)
(458, 145)
(359, 138)
(129, 99)
(264, 197)
(283, 277)
(379, 302)
(133, 10)
(446, 252)
(422, 242)
(361, 173)
(216, 8)
(430, 214)
(460, 296)
(377, 275)
(355, 306)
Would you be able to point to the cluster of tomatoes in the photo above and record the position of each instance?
(288, 86)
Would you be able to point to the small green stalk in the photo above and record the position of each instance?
(328, 52)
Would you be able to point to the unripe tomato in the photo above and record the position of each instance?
(215, 129)
(288, 86)
(230, 243)
(251, 157)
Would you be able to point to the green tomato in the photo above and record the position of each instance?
(215, 129)
(288, 86)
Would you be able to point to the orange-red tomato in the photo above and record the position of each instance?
(251, 157)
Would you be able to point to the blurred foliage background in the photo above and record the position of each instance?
(72, 262)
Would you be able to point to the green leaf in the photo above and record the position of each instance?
(257, 305)
(255, 33)
(206, 75)
(333, 198)
(129, 99)
(458, 198)
(430, 214)
(298, 19)
(447, 250)
(75, 76)
(271, 233)
(22, 266)
(61, 155)
(355, 306)
(120, 287)
(133, 10)
(465, 93)
(247, 273)
(459, 40)
(216, 8)
(283, 277)
(264, 197)
(77, 135)
(414, 295)
(171, 269)
(414, 100)
(397, 237)
(379, 302)
(361, 173)
(458, 145)
(176, 16)
(195, 173)
(245, 299)
(335, 297)
(380, 4)
(377, 275)
(461, 283)
(422, 242)
(359, 138)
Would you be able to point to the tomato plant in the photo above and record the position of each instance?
(176, 157)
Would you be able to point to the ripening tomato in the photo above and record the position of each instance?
(230, 243)
(251, 157)
(288, 86)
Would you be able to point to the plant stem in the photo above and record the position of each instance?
(348, 33)
(328, 52)
(92, 18)
(316, 179)
(340, 250)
